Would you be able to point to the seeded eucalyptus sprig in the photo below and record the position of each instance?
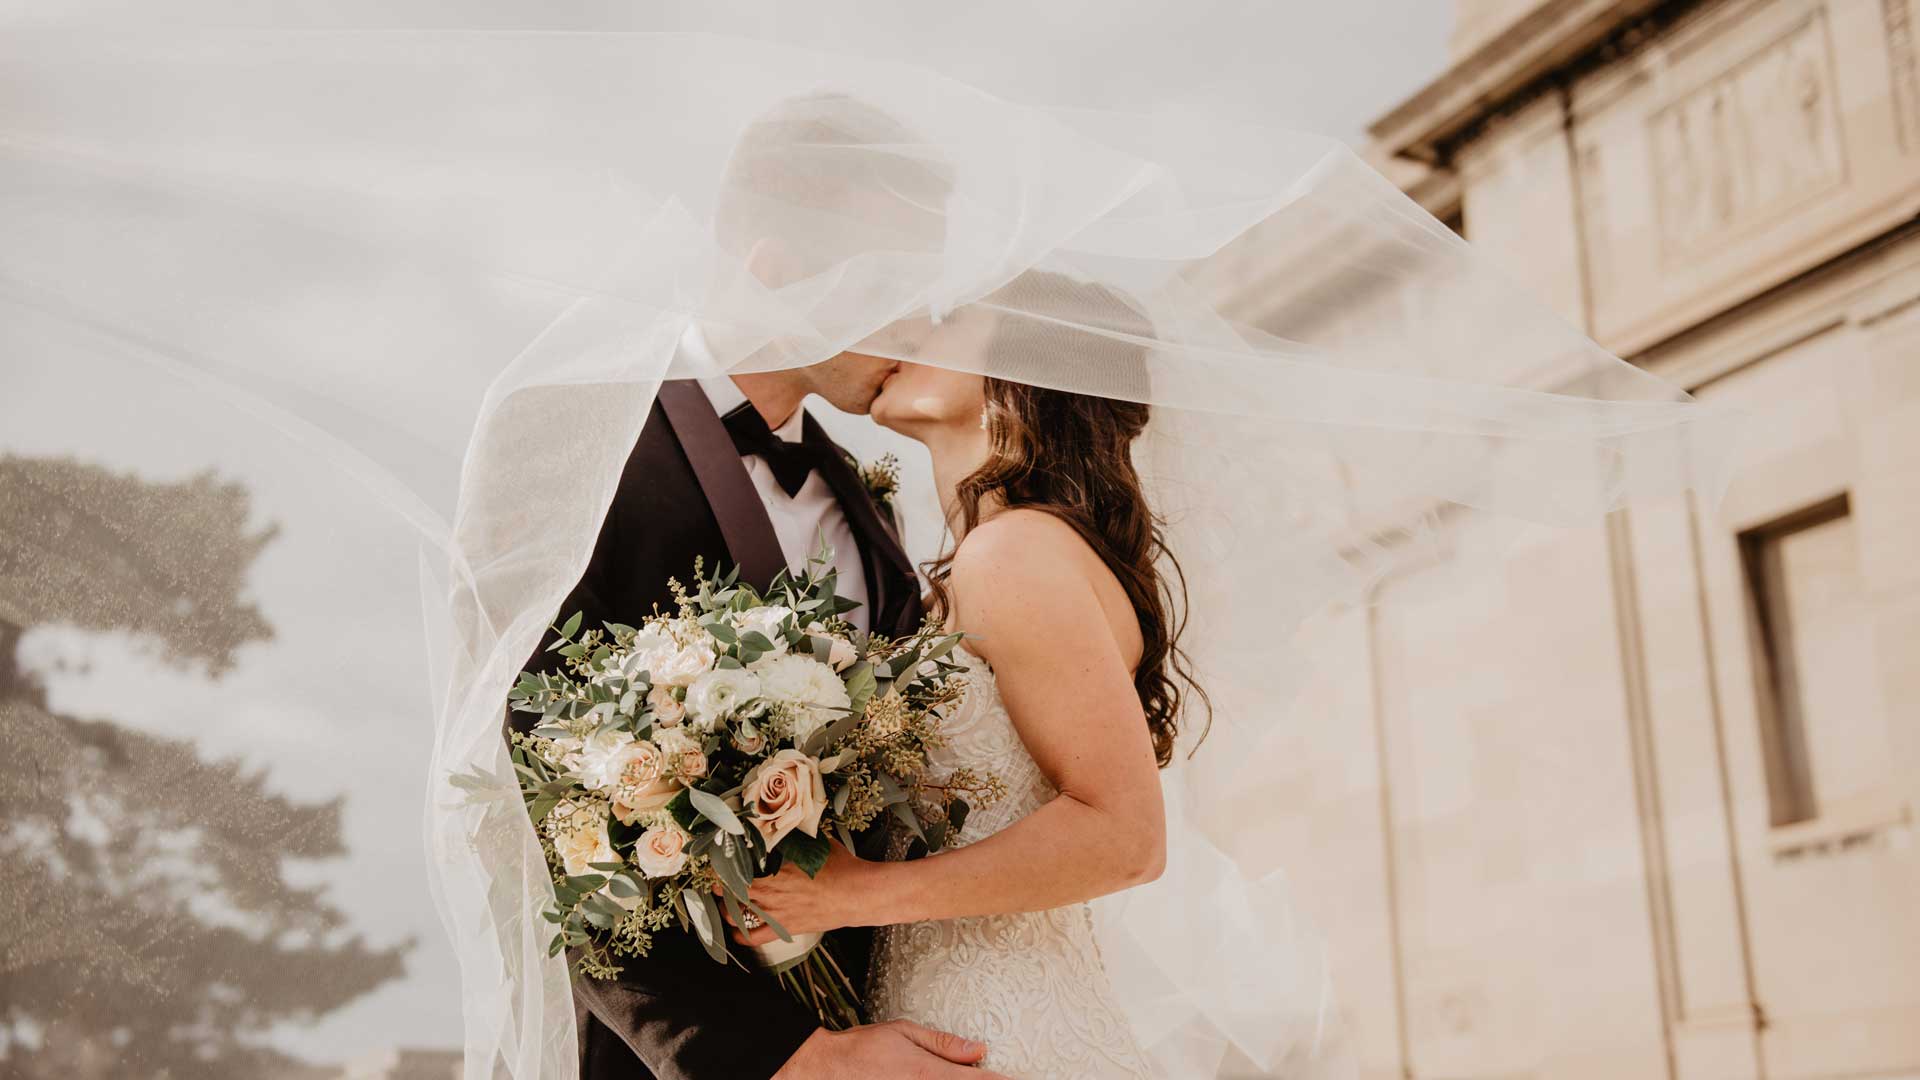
(647, 764)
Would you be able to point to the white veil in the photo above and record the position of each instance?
(454, 266)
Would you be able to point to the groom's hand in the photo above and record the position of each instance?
(895, 1050)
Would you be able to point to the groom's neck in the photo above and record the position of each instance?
(776, 395)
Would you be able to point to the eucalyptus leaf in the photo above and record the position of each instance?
(705, 916)
(957, 811)
(727, 863)
(908, 818)
(715, 809)
(572, 625)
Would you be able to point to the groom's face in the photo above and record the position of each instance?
(851, 380)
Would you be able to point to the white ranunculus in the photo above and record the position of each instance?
(719, 692)
(583, 844)
(661, 851)
(599, 759)
(765, 621)
(813, 693)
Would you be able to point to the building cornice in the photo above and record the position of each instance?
(1510, 69)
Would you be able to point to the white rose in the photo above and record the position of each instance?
(719, 692)
(671, 662)
(765, 621)
(598, 766)
(842, 654)
(661, 851)
(583, 843)
(667, 710)
(815, 695)
(683, 665)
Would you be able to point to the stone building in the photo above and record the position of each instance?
(1644, 807)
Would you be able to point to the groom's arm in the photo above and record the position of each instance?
(689, 1018)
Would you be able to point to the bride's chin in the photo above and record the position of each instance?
(887, 414)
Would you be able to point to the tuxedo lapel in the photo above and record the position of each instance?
(723, 478)
(892, 588)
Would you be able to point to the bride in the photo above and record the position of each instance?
(1074, 698)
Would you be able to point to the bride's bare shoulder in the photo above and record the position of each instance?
(1019, 565)
(1019, 541)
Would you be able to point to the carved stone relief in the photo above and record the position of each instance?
(1754, 141)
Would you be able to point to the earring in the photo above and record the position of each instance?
(983, 418)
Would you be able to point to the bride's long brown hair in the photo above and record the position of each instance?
(1071, 455)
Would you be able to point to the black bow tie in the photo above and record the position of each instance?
(792, 462)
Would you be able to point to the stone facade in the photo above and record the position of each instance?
(1643, 806)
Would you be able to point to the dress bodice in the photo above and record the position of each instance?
(1031, 985)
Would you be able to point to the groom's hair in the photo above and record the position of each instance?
(828, 175)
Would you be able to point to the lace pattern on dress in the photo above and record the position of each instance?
(1030, 986)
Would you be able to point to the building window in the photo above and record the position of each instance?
(1802, 571)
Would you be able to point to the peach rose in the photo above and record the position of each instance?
(785, 793)
(661, 851)
(667, 710)
(643, 785)
(684, 753)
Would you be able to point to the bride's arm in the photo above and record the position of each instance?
(1022, 586)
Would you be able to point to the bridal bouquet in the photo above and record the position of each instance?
(680, 759)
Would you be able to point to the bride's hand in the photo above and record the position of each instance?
(803, 905)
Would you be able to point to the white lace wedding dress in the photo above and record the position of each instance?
(1031, 986)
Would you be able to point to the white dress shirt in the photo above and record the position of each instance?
(798, 521)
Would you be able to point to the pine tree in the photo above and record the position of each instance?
(147, 927)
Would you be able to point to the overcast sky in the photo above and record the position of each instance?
(339, 583)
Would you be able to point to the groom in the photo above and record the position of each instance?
(732, 469)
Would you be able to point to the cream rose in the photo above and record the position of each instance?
(785, 793)
(814, 694)
(580, 844)
(661, 851)
(840, 653)
(717, 693)
(667, 710)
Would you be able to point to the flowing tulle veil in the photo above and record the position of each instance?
(455, 266)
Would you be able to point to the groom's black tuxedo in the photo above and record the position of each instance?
(675, 1014)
